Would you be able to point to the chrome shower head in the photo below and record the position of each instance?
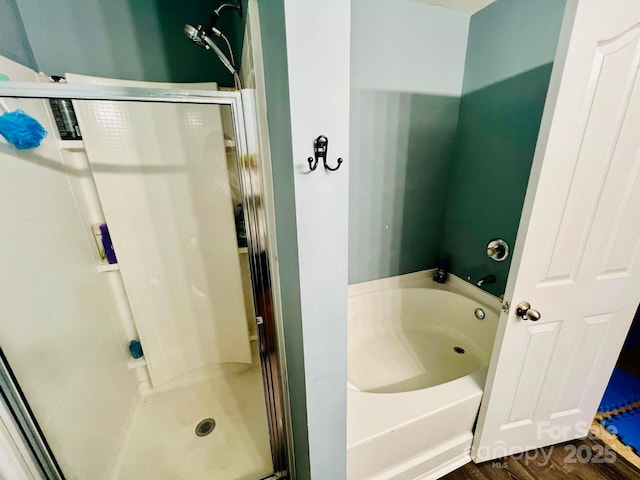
(196, 35)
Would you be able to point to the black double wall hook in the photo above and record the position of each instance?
(320, 147)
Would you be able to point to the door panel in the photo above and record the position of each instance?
(577, 250)
(602, 113)
(537, 355)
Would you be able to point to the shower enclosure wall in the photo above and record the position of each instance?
(174, 172)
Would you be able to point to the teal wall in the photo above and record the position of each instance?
(511, 46)
(437, 172)
(401, 145)
(404, 106)
(407, 47)
(279, 118)
(14, 43)
(127, 39)
(497, 133)
(510, 37)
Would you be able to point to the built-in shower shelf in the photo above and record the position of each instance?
(108, 267)
(71, 145)
(242, 250)
(229, 144)
(136, 362)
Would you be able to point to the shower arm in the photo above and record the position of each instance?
(215, 15)
(213, 20)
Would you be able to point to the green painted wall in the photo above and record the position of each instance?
(279, 118)
(128, 39)
(510, 37)
(497, 133)
(511, 48)
(404, 106)
(441, 175)
(401, 145)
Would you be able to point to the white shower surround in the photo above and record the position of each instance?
(161, 173)
(422, 426)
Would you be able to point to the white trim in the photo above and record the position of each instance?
(16, 459)
(407, 470)
(446, 468)
(260, 107)
(103, 92)
(317, 52)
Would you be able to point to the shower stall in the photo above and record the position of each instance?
(154, 353)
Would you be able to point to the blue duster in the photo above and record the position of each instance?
(21, 130)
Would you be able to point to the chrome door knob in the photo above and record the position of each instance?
(525, 312)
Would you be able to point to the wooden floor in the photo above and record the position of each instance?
(580, 460)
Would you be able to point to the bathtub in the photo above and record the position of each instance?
(418, 357)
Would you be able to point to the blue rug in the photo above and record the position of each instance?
(626, 426)
(622, 391)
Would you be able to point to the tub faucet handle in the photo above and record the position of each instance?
(498, 250)
(491, 278)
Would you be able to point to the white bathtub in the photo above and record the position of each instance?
(413, 395)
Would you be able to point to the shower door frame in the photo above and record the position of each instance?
(272, 361)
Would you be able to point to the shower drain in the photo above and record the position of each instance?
(205, 427)
(459, 350)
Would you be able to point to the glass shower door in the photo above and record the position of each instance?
(130, 284)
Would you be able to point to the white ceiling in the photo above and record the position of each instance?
(463, 6)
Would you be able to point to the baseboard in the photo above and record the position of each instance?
(448, 467)
(437, 461)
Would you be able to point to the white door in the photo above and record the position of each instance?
(578, 246)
